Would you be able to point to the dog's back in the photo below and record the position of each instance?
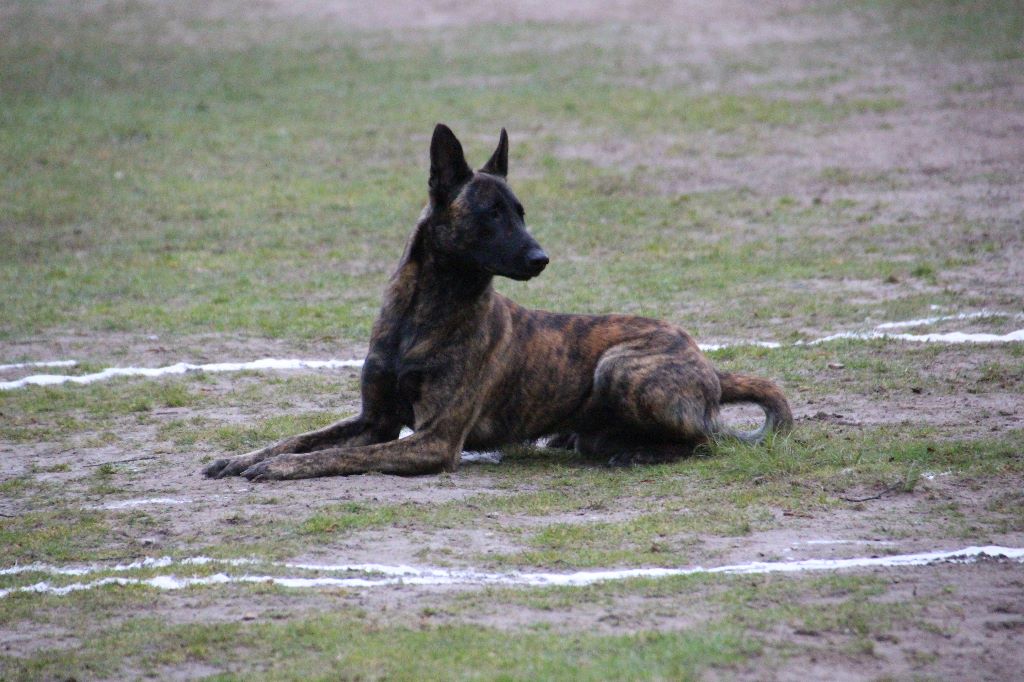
(609, 380)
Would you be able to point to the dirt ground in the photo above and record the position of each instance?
(956, 146)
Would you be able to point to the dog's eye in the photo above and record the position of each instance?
(496, 212)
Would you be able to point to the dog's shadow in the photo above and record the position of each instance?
(539, 458)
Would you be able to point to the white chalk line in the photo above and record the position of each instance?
(947, 337)
(44, 363)
(177, 368)
(143, 502)
(881, 331)
(381, 575)
(946, 318)
(708, 347)
(848, 542)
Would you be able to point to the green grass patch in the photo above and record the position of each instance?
(650, 539)
(346, 646)
(40, 413)
(61, 535)
(236, 438)
(347, 517)
(187, 189)
(987, 29)
(560, 511)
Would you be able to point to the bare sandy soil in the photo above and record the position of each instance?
(956, 146)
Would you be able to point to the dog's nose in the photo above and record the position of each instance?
(537, 260)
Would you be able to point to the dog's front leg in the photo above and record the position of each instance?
(378, 422)
(444, 416)
(424, 452)
(354, 431)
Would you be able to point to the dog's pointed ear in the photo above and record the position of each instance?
(448, 167)
(498, 163)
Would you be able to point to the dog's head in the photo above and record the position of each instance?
(477, 219)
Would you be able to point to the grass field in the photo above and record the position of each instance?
(223, 181)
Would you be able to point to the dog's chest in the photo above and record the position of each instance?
(410, 384)
(420, 377)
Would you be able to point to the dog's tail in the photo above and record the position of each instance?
(740, 388)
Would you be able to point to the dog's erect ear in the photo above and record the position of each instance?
(498, 163)
(448, 167)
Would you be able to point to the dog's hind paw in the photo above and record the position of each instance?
(562, 441)
(624, 460)
(642, 458)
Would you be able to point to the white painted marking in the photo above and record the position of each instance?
(126, 504)
(409, 575)
(385, 569)
(881, 331)
(848, 542)
(44, 363)
(944, 318)
(706, 347)
(178, 368)
(149, 562)
(948, 337)
(165, 561)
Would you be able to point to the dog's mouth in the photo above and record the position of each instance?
(524, 271)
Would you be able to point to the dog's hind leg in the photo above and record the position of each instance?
(654, 400)
(562, 441)
(630, 449)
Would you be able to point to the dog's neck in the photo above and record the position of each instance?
(455, 284)
(427, 281)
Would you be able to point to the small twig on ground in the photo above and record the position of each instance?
(120, 461)
(892, 488)
(8, 516)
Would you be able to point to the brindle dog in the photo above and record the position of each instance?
(465, 367)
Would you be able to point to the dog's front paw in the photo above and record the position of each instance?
(230, 466)
(277, 468)
(226, 466)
